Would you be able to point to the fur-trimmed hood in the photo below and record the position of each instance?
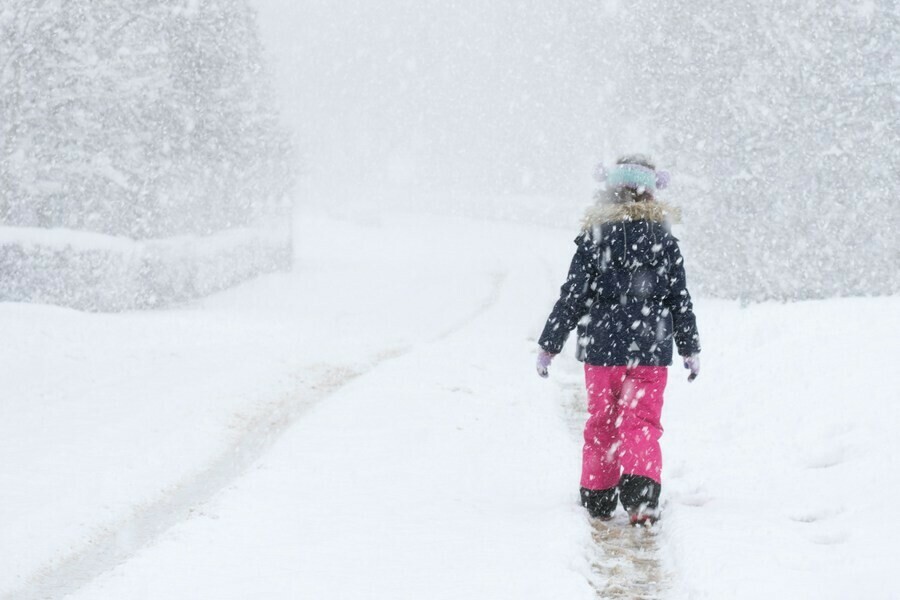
(605, 212)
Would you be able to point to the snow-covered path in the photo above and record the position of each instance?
(370, 426)
(369, 298)
(425, 477)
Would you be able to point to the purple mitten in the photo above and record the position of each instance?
(692, 363)
(543, 362)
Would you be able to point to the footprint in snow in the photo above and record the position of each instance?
(460, 390)
(825, 458)
(814, 515)
(696, 499)
(818, 527)
(829, 538)
(694, 495)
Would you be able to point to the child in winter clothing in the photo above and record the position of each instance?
(626, 292)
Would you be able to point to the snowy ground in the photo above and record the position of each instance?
(370, 426)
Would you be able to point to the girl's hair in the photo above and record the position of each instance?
(626, 195)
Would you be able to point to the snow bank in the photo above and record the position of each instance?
(782, 457)
(95, 272)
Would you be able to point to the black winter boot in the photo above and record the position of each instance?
(640, 497)
(600, 503)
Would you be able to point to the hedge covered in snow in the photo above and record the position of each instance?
(97, 272)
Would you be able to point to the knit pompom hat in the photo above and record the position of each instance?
(635, 172)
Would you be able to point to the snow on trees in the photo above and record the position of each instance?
(151, 123)
(782, 120)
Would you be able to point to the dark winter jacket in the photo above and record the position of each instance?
(626, 290)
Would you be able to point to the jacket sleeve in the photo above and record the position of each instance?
(574, 298)
(678, 302)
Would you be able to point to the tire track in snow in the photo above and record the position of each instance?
(115, 543)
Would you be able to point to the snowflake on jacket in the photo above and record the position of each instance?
(626, 290)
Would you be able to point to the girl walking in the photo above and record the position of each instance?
(626, 292)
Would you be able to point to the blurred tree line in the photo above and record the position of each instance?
(778, 118)
(140, 118)
(781, 120)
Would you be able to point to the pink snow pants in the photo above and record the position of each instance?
(622, 432)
